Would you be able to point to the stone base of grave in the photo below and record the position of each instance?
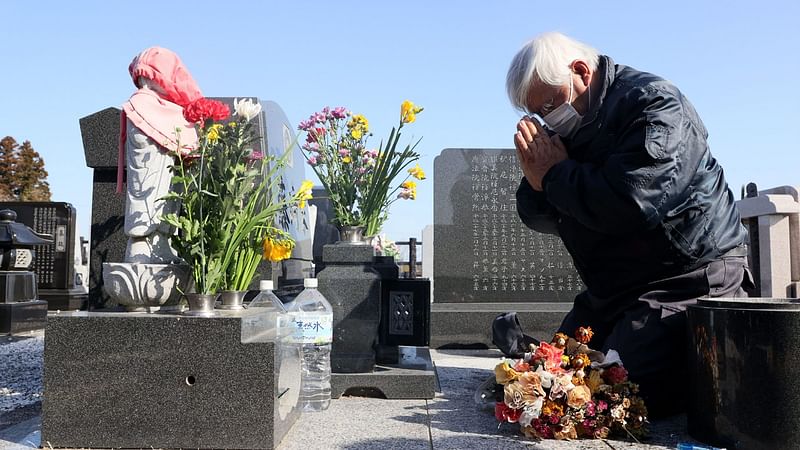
(22, 316)
(469, 325)
(64, 299)
(137, 380)
(412, 377)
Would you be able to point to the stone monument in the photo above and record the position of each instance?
(153, 129)
(230, 380)
(486, 260)
(20, 307)
(58, 281)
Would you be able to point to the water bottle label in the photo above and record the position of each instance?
(311, 328)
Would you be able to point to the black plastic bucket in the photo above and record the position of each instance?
(744, 373)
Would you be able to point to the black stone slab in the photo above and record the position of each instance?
(352, 287)
(483, 251)
(486, 261)
(743, 373)
(54, 264)
(136, 380)
(100, 133)
(469, 325)
(405, 312)
(413, 377)
(22, 316)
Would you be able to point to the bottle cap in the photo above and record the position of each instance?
(265, 285)
(310, 282)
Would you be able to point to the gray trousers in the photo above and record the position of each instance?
(647, 326)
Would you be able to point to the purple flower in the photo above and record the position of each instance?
(602, 405)
(311, 146)
(305, 125)
(255, 156)
(320, 116)
(344, 152)
(362, 170)
(312, 161)
(339, 112)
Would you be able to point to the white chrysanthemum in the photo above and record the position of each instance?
(246, 108)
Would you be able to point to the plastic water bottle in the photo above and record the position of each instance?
(311, 318)
(276, 312)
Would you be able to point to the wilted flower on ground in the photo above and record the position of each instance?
(504, 373)
(559, 394)
(506, 414)
(615, 374)
(584, 334)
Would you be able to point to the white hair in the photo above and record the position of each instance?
(545, 59)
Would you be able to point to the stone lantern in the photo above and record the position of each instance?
(20, 308)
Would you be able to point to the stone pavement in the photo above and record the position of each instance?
(450, 421)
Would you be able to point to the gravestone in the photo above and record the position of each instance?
(486, 260)
(139, 380)
(56, 277)
(100, 132)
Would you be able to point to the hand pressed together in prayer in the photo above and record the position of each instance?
(537, 152)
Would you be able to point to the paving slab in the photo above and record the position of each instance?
(452, 420)
(362, 423)
(457, 422)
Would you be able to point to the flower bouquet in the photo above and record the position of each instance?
(385, 247)
(226, 222)
(359, 179)
(565, 390)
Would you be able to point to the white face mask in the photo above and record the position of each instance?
(564, 120)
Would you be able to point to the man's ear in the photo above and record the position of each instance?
(581, 68)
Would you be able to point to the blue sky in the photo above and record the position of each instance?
(736, 61)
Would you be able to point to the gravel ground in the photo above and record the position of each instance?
(21, 362)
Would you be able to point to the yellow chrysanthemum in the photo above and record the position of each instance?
(304, 193)
(409, 111)
(417, 172)
(347, 159)
(213, 132)
(277, 250)
(358, 126)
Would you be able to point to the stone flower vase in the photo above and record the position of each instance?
(351, 284)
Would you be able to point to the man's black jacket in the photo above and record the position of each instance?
(640, 197)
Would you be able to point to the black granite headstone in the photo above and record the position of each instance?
(138, 380)
(486, 261)
(100, 132)
(55, 263)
